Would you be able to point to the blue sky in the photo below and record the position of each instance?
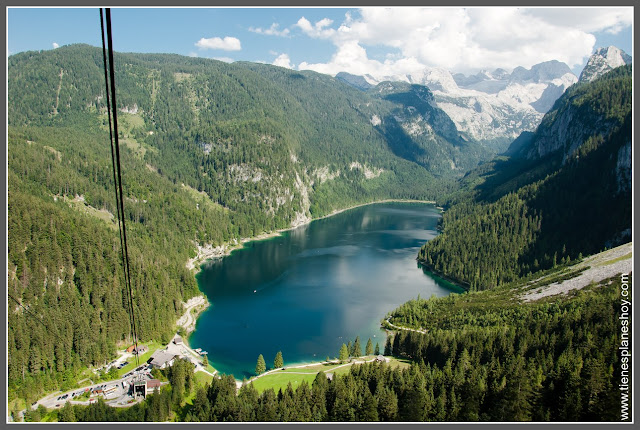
(382, 42)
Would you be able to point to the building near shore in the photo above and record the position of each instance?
(162, 358)
(146, 387)
(141, 350)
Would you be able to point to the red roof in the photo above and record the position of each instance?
(153, 383)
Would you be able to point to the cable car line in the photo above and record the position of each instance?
(117, 167)
(113, 165)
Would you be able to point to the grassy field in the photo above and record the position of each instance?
(202, 378)
(128, 122)
(101, 214)
(280, 379)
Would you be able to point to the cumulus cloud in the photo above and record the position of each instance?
(193, 54)
(271, 31)
(462, 39)
(610, 20)
(283, 60)
(317, 30)
(55, 45)
(226, 44)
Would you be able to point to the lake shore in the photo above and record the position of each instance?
(193, 308)
(209, 252)
(206, 253)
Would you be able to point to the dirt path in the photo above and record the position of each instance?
(405, 328)
(188, 319)
(600, 267)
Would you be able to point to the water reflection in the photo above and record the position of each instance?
(315, 287)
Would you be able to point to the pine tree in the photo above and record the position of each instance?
(261, 366)
(377, 350)
(278, 362)
(356, 350)
(368, 350)
(66, 414)
(205, 361)
(369, 411)
(344, 353)
(388, 349)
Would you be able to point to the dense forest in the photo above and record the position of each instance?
(521, 214)
(212, 152)
(484, 356)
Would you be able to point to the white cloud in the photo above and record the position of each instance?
(611, 20)
(55, 45)
(271, 31)
(462, 39)
(224, 59)
(226, 44)
(283, 60)
(318, 29)
(193, 54)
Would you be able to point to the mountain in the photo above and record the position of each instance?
(194, 108)
(211, 153)
(602, 61)
(354, 80)
(493, 108)
(564, 192)
(583, 112)
(419, 130)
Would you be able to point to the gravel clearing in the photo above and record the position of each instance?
(600, 266)
(188, 320)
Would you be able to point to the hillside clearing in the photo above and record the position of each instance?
(593, 269)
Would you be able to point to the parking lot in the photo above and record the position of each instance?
(113, 392)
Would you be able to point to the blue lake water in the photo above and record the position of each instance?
(307, 292)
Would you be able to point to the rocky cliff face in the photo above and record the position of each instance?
(419, 129)
(493, 108)
(591, 121)
(603, 61)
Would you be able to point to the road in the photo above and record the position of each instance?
(119, 397)
(404, 328)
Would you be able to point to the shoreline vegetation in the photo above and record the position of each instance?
(460, 284)
(210, 252)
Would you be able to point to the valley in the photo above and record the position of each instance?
(278, 210)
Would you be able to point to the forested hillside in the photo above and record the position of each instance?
(565, 192)
(483, 356)
(211, 152)
(228, 129)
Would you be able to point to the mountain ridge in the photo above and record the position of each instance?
(602, 61)
(562, 192)
(491, 107)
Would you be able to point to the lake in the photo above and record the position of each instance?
(307, 292)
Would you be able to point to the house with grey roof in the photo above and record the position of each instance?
(162, 358)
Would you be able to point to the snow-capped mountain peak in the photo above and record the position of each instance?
(602, 61)
(492, 107)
